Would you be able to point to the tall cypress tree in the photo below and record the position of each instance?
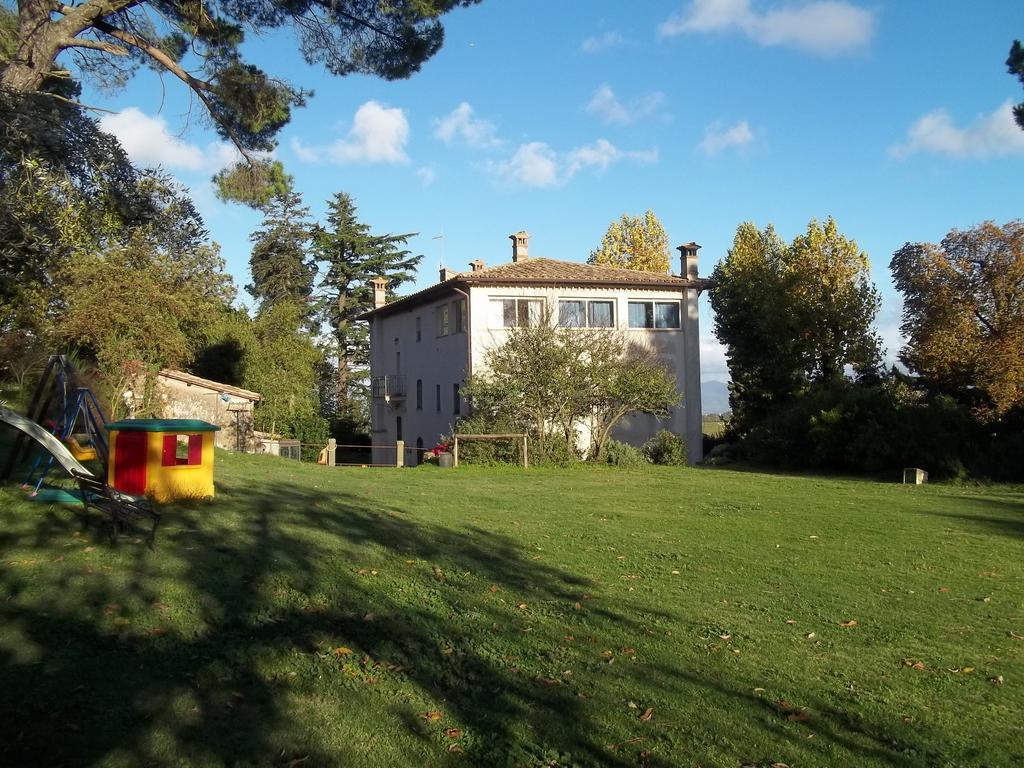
(351, 256)
(282, 269)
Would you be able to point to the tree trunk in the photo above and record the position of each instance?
(39, 42)
(344, 363)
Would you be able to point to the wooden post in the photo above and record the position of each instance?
(400, 453)
(332, 449)
(455, 452)
(526, 461)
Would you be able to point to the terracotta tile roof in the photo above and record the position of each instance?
(548, 272)
(569, 272)
(188, 378)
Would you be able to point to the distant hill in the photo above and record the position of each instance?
(714, 396)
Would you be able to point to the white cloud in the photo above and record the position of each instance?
(378, 135)
(427, 175)
(460, 124)
(148, 142)
(713, 364)
(718, 137)
(824, 27)
(602, 42)
(606, 105)
(538, 165)
(533, 165)
(992, 135)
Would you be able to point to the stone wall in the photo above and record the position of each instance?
(191, 401)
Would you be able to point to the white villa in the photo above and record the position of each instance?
(425, 345)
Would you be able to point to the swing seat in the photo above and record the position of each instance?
(79, 451)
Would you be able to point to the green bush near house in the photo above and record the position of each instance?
(666, 448)
(621, 454)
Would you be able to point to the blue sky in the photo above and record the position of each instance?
(559, 117)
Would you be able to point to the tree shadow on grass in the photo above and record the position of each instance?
(1006, 515)
(200, 650)
(807, 729)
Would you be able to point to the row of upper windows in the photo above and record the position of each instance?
(572, 313)
(583, 313)
(448, 319)
(456, 398)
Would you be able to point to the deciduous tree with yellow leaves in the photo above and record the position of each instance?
(634, 242)
(963, 314)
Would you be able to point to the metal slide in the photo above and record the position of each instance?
(56, 448)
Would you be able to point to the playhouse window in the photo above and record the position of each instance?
(182, 450)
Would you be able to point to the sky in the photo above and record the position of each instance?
(559, 117)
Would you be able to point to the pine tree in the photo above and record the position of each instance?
(282, 270)
(351, 256)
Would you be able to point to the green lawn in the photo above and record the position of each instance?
(422, 617)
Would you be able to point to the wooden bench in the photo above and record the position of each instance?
(122, 508)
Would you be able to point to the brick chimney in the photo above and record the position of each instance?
(520, 243)
(380, 292)
(688, 259)
(446, 274)
(477, 265)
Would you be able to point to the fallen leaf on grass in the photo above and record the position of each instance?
(914, 664)
(341, 650)
(432, 716)
(725, 636)
(848, 624)
(157, 632)
(1015, 636)
(452, 733)
(455, 749)
(521, 606)
(578, 607)
(648, 714)
(811, 635)
(493, 588)
(985, 599)
(758, 690)
(791, 621)
(943, 589)
(997, 680)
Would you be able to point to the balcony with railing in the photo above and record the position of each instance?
(388, 388)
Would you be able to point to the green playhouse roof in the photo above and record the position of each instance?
(163, 425)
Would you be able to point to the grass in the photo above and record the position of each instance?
(358, 617)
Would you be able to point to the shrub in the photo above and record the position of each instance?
(624, 454)
(487, 453)
(666, 448)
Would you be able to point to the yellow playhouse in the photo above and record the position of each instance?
(164, 459)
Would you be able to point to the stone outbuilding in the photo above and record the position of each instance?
(186, 396)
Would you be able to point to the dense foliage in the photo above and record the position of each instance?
(1015, 64)
(792, 316)
(351, 255)
(634, 242)
(202, 45)
(963, 315)
(281, 267)
(567, 388)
